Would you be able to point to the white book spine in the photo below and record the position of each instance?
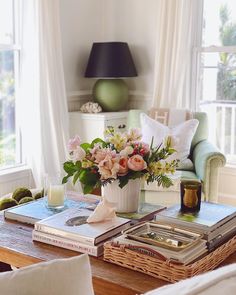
(66, 243)
(55, 232)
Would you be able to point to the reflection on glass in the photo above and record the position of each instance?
(219, 76)
(219, 23)
(6, 22)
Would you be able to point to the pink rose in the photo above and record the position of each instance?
(74, 143)
(102, 153)
(123, 162)
(109, 167)
(137, 163)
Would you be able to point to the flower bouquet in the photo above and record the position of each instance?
(121, 157)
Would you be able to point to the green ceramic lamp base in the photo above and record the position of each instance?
(111, 94)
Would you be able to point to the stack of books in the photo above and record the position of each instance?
(216, 222)
(164, 242)
(70, 230)
(67, 227)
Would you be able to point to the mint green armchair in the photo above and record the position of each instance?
(206, 158)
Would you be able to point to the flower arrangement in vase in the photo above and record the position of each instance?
(120, 158)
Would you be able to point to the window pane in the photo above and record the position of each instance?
(7, 109)
(218, 76)
(219, 27)
(6, 22)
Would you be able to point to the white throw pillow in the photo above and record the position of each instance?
(222, 280)
(71, 276)
(182, 135)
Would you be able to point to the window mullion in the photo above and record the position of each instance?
(227, 49)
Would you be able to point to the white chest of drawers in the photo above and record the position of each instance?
(91, 126)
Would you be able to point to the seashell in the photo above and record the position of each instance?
(91, 107)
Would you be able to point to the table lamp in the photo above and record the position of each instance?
(109, 61)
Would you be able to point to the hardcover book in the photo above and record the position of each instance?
(210, 220)
(67, 243)
(37, 210)
(146, 211)
(72, 224)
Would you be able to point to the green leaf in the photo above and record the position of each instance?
(151, 145)
(78, 165)
(69, 167)
(85, 146)
(164, 181)
(123, 181)
(65, 179)
(88, 188)
(87, 177)
(76, 177)
(98, 140)
(135, 174)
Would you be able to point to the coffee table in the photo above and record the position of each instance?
(18, 249)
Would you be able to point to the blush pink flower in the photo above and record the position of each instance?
(128, 150)
(74, 143)
(78, 154)
(137, 163)
(102, 153)
(109, 167)
(123, 170)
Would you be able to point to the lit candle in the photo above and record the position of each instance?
(56, 195)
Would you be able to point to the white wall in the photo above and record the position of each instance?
(86, 21)
(81, 23)
(227, 185)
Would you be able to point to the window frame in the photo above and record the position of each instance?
(199, 85)
(15, 47)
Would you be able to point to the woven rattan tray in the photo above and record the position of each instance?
(166, 270)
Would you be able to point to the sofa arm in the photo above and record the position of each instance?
(207, 161)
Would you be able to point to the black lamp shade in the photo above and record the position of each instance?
(110, 60)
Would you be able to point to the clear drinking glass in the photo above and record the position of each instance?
(55, 192)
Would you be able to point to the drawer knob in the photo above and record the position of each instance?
(122, 126)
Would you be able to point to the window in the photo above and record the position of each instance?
(217, 76)
(10, 148)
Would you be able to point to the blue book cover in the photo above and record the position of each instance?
(210, 216)
(38, 210)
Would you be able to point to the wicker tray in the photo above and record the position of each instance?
(166, 270)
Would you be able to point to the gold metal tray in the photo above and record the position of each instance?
(161, 235)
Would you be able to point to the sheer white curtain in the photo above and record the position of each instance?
(43, 104)
(178, 32)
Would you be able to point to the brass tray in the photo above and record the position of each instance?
(165, 236)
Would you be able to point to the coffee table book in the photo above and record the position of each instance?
(67, 243)
(71, 224)
(212, 220)
(146, 211)
(37, 210)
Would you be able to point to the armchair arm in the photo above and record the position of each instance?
(207, 161)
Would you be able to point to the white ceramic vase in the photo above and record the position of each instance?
(124, 199)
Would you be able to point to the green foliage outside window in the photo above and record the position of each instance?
(226, 79)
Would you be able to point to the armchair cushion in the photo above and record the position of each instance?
(182, 135)
(71, 276)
